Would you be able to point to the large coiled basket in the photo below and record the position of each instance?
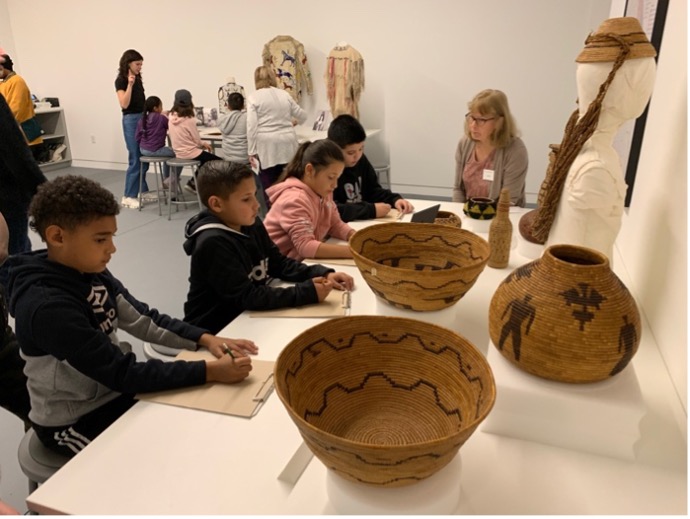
(566, 317)
(419, 266)
(385, 401)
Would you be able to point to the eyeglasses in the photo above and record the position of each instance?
(481, 121)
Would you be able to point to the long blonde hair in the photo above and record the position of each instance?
(494, 103)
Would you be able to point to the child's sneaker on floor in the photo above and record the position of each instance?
(129, 202)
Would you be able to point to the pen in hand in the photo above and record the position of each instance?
(229, 352)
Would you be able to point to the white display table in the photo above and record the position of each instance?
(601, 418)
(159, 459)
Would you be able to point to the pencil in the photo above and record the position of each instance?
(229, 351)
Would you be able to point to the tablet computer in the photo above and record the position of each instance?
(427, 215)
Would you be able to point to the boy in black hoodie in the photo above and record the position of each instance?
(68, 308)
(233, 259)
(359, 196)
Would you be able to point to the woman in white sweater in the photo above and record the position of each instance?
(271, 116)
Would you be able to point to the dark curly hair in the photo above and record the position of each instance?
(69, 202)
(220, 178)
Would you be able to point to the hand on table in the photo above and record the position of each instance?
(341, 281)
(382, 209)
(323, 287)
(217, 345)
(228, 369)
(404, 206)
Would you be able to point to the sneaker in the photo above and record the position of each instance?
(191, 186)
(129, 202)
(149, 196)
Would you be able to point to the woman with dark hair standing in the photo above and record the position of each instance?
(130, 94)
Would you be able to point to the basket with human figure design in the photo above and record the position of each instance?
(384, 401)
(419, 266)
(566, 317)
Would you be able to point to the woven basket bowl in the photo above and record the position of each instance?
(565, 317)
(480, 208)
(419, 266)
(448, 218)
(384, 401)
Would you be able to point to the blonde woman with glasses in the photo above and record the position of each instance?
(490, 156)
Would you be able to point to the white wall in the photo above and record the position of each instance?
(424, 61)
(653, 239)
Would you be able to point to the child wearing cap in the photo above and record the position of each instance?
(184, 135)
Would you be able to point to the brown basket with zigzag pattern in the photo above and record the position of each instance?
(385, 401)
(419, 266)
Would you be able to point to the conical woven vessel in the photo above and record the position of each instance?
(566, 317)
(419, 266)
(385, 401)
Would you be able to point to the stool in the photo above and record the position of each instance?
(158, 172)
(160, 352)
(37, 461)
(175, 190)
(383, 171)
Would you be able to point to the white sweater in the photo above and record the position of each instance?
(270, 133)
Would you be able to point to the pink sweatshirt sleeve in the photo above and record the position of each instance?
(297, 220)
(339, 229)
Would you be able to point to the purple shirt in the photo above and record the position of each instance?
(156, 130)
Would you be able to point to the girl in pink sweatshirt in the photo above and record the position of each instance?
(303, 214)
(184, 135)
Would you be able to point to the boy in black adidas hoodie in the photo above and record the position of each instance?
(233, 259)
(68, 307)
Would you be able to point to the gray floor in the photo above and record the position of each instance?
(149, 261)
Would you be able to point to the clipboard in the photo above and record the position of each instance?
(336, 304)
(243, 399)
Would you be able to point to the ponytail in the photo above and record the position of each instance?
(320, 154)
(151, 103)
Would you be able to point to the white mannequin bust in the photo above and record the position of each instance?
(591, 205)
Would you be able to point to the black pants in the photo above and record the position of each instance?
(13, 393)
(69, 440)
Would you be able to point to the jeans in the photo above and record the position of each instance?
(165, 151)
(129, 128)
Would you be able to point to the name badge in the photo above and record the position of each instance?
(488, 174)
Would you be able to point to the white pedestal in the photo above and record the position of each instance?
(436, 495)
(445, 317)
(601, 418)
(477, 226)
(528, 249)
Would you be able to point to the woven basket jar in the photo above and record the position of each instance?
(384, 401)
(565, 317)
(448, 218)
(419, 266)
(480, 208)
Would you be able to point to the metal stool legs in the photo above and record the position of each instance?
(158, 174)
(176, 193)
